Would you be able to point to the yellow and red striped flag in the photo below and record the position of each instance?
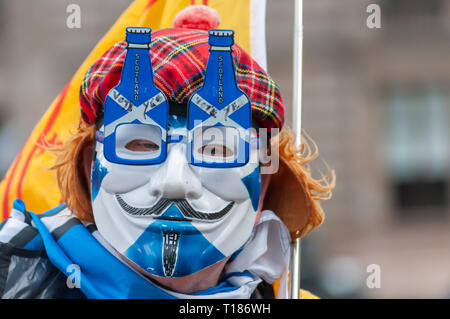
(29, 178)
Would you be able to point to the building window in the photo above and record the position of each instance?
(417, 146)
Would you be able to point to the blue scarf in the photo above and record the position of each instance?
(102, 275)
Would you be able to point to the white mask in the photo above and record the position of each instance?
(173, 219)
(171, 202)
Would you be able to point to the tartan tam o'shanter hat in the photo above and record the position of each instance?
(179, 57)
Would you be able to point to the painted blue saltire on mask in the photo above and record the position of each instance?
(136, 99)
(253, 184)
(97, 175)
(220, 102)
(194, 253)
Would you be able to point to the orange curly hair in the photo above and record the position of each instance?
(298, 160)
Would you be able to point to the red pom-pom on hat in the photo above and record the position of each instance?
(197, 17)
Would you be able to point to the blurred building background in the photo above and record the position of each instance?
(376, 101)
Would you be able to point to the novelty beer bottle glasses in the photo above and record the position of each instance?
(137, 72)
(219, 114)
(135, 110)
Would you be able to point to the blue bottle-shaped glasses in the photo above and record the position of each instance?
(135, 111)
(219, 114)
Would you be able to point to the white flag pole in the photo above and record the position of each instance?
(298, 70)
(294, 269)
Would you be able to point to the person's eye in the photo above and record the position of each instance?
(216, 150)
(141, 145)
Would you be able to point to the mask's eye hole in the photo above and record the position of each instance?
(216, 150)
(142, 145)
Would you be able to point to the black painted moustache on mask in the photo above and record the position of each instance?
(182, 204)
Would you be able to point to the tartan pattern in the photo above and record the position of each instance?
(179, 58)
